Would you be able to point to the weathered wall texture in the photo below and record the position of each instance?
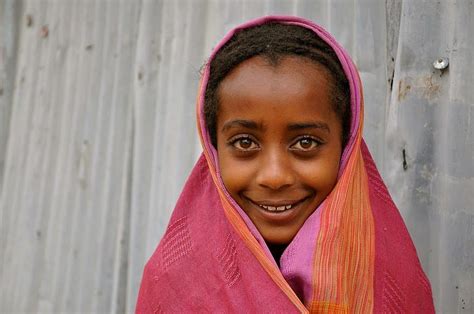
(97, 134)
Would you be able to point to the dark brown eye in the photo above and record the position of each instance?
(244, 144)
(305, 144)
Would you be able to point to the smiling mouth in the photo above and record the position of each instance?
(281, 207)
(276, 208)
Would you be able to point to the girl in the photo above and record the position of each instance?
(285, 211)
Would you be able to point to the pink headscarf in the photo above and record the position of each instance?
(353, 254)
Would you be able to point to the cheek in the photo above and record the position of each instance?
(321, 174)
(236, 174)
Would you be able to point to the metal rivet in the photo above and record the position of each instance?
(441, 63)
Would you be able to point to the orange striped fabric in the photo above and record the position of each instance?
(345, 252)
(343, 268)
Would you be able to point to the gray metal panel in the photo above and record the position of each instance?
(98, 134)
(430, 118)
(64, 199)
(9, 13)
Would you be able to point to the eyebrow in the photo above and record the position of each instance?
(241, 123)
(291, 127)
(309, 125)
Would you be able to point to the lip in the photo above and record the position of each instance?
(279, 217)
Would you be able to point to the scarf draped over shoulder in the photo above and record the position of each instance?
(352, 255)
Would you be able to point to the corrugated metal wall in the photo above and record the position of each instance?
(97, 134)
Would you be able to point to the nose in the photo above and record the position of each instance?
(275, 171)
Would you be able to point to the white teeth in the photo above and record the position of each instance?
(276, 208)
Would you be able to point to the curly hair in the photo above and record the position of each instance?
(273, 41)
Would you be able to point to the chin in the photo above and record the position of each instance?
(279, 239)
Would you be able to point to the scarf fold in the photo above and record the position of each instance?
(352, 255)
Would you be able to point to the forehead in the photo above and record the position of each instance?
(295, 86)
(286, 68)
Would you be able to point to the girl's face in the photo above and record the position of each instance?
(278, 142)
